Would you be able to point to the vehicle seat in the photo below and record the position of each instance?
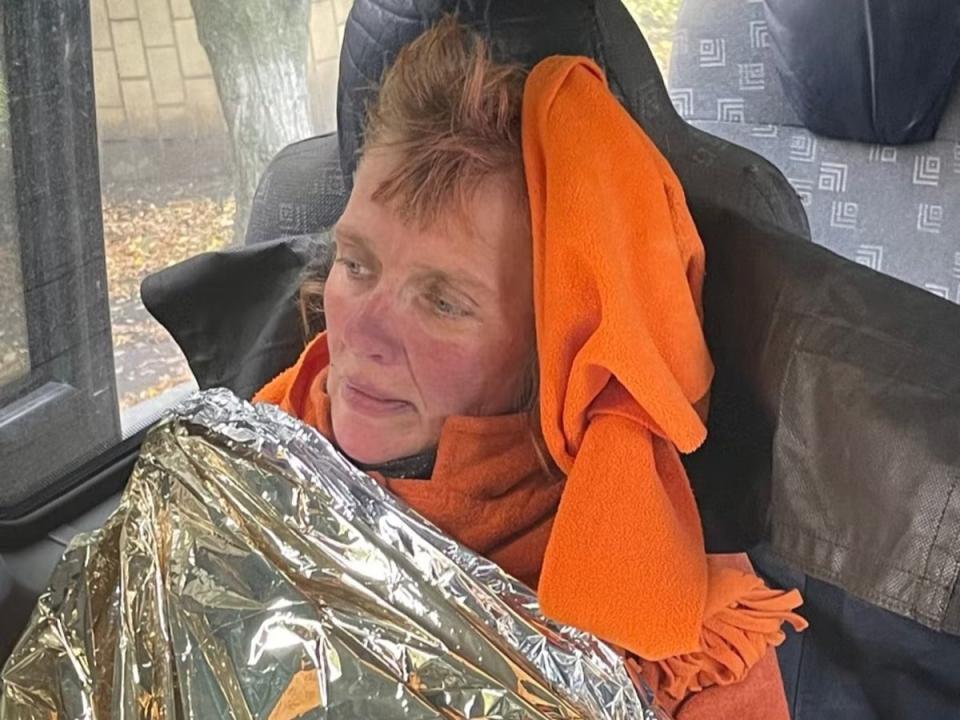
(891, 208)
(808, 347)
(822, 365)
(301, 192)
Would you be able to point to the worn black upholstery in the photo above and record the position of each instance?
(235, 313)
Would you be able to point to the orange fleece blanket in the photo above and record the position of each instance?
(618, 276)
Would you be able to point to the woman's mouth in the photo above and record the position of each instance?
(367, 402)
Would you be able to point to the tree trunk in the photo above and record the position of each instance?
(258, 52)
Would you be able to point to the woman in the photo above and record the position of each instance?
(518, 354)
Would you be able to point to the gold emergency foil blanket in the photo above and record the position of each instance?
(252, 572)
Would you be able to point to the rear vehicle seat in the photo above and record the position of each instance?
(895, 209)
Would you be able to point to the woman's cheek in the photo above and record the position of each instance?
(335, 305)
(450, 373)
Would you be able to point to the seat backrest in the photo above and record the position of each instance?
(299, 191)
(891, 208)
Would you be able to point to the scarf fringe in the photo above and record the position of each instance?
(732, 641)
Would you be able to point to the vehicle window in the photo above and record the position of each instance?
(132, 135)
(657, 20)
(193, 99)
(14, 352)
(57, 392)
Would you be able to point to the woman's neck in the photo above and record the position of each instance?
(413, 466)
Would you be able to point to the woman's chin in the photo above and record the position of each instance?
(369, 443)
(364, 454)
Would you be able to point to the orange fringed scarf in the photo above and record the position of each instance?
(618, 276)
(617, 548)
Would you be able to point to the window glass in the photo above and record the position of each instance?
(132, 136)
(656, 19)
(58, 405)
(14, 352)
(193, 99)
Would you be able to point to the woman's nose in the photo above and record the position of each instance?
(371, 331)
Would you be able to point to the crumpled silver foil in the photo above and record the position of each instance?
(251, 572)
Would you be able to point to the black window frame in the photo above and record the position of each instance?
(61, 421)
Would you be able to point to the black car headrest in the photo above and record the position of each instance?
(301, 192)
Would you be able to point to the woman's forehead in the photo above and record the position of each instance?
(477, 199)
(480, 244)
(435, 257)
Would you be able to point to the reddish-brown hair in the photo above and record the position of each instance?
(453, 115)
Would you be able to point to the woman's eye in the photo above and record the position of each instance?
(444, 307)
(353, 268)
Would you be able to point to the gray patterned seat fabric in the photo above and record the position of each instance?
(892, 208)
(301, 192)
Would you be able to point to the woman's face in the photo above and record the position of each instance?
(425, 323)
